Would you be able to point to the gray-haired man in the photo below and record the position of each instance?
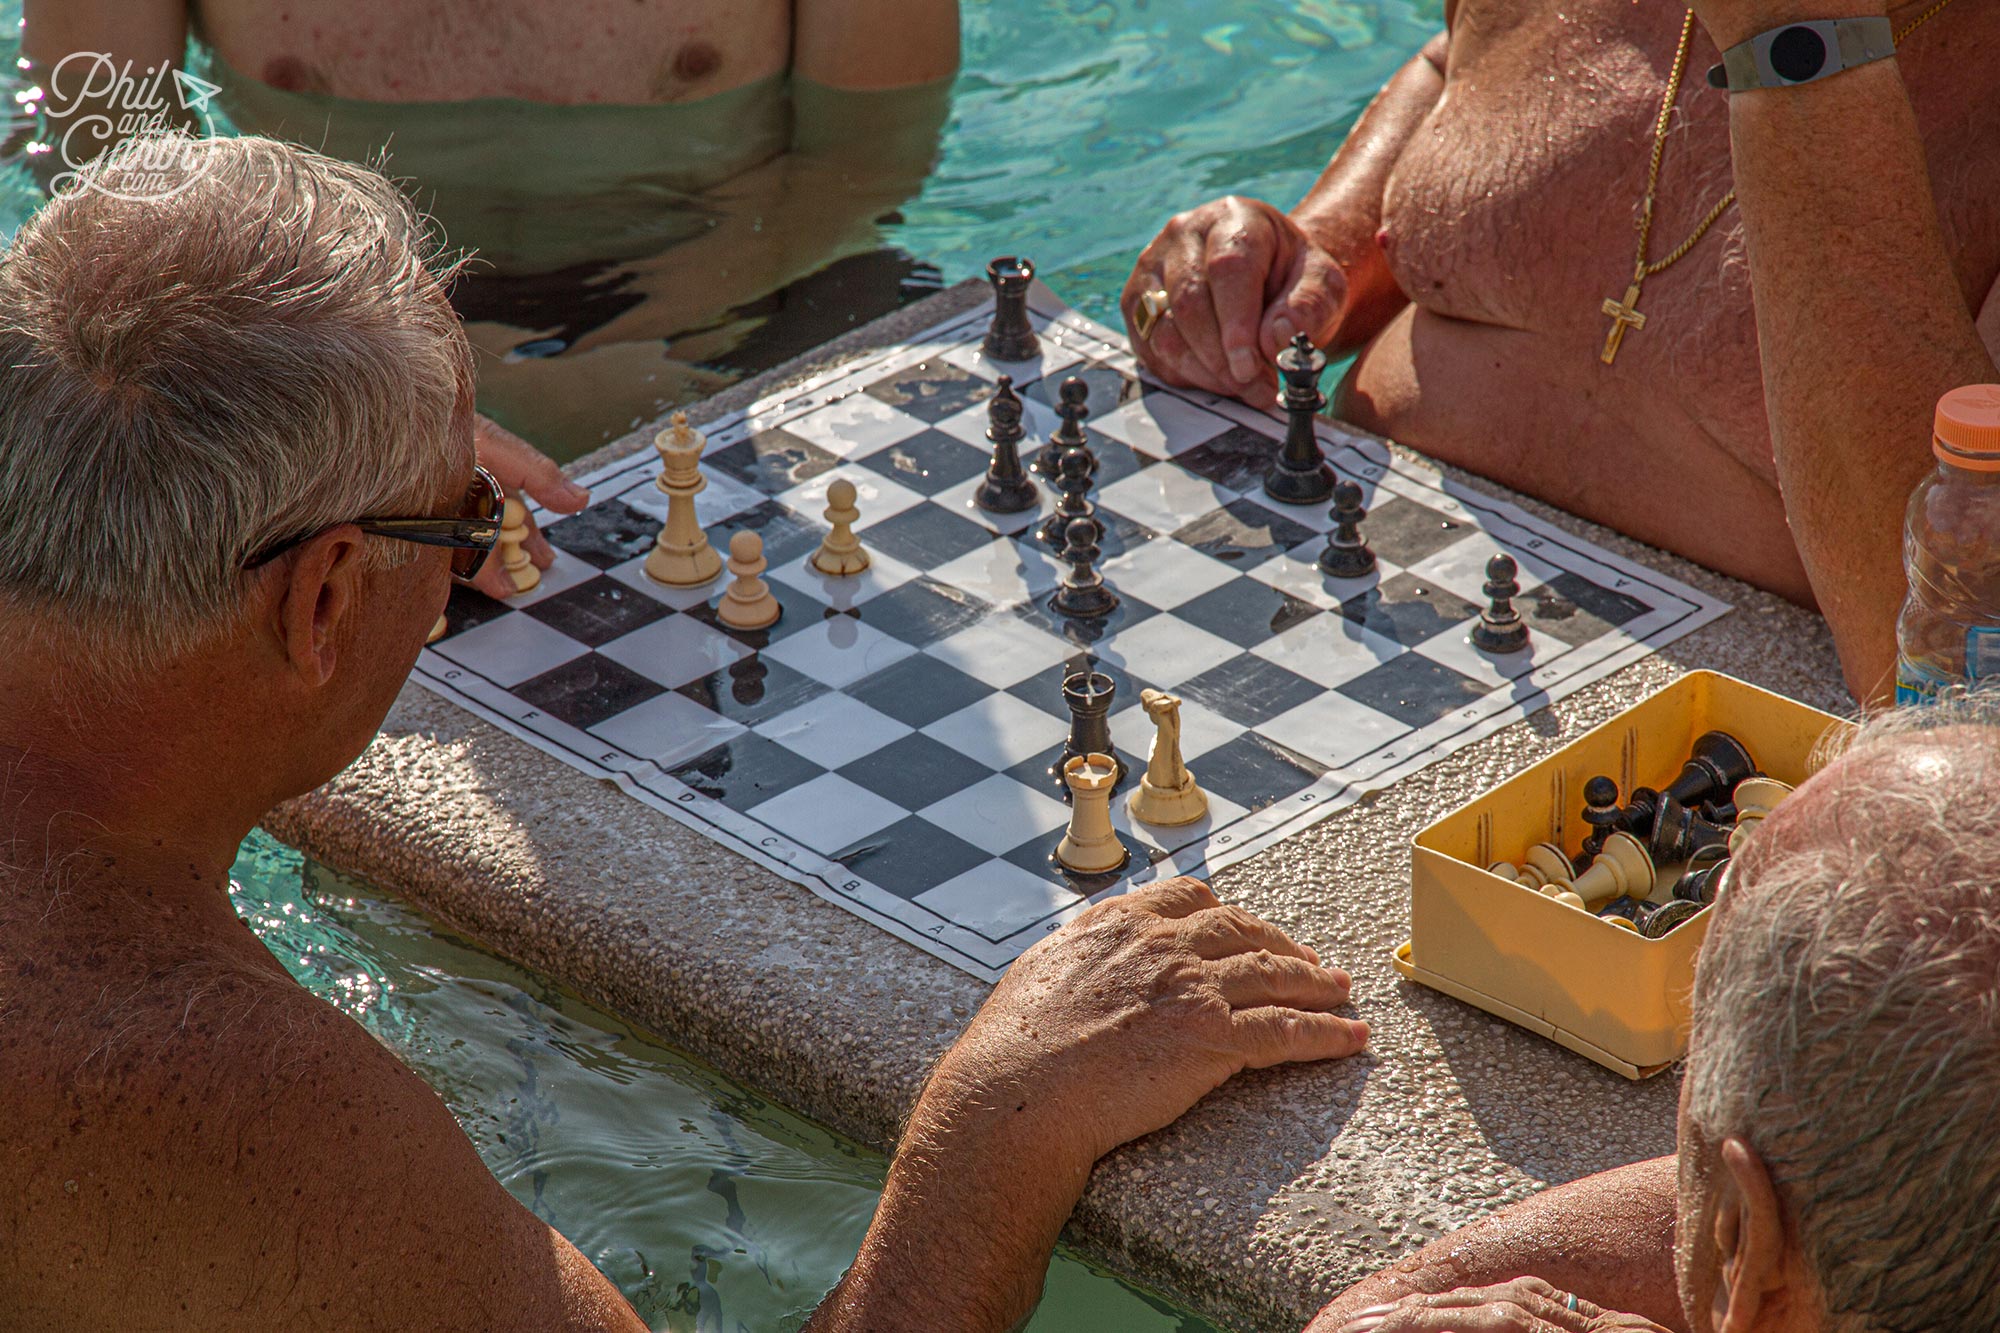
(223, 413)
(1838, 1169)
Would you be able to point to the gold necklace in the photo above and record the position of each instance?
(1625, 313)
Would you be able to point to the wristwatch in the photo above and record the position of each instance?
(1802, 52)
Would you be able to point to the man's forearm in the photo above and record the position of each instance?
(1861, 325)
(1343, 210)
(1609, 1238)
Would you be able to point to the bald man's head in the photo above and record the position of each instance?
(1847, 1025)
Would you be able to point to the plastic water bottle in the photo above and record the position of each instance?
(1949, 631)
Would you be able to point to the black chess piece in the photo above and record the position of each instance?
(1639, 810)
(1601, 812)
(1083, 593)
(1072, 410)
(1088, 695)
(1074, 502)
(1677, 834)
(1010, 337)
(1703, 876)
(1006, 489)
(1347, 556)
(1500, 628)
(1301, 474)
(1658, 920)
(1712, 771)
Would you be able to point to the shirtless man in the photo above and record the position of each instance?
(207, 399)
(1465, 238)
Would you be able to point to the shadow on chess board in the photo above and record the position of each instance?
(889, 742)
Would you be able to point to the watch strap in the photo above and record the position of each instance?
(1796, 53)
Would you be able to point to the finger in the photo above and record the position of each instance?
(1192, 311)
(1542, 1304)
(1225, 930)
(1276, 1036)
(1238, 260)
(519, 466)
(1174, 898)
(1174, 361)
(1408, 1318)
(494, 580)
(1311, 301)
(1254, 980)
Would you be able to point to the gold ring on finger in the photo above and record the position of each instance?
(1151, 310)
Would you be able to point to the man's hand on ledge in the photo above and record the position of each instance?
(521, 468)
(1107, 1030)
(1525, 1305)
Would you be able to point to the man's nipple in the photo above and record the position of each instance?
(696, 61)
(293, 75)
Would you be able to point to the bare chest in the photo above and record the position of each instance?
(576, 51)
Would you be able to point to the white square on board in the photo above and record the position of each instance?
(884, 574)
(1003, 573)
(998, 814)
(838, 651)
(1297, 572)
(827, 813)
(1202, 729)
(997, 899)
(1165, 499)
(667, 729)
(1166, 651)
(1461, 567)
(1329, 650)
(875, 496)
(563, 574)
(674, 651)
(723, 497)
(1001, 650)
(1333, 729)
(1184, 838)
(855, 426)
(999, 731)
(510, 649)
(1054, 355)
(958, 499)
(633, 575)
(1454, 649)
(1161, 424)
(1164, 573)
(832, 730)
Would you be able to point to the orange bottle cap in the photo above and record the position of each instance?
(1966, 431)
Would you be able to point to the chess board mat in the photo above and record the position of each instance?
(888, 744)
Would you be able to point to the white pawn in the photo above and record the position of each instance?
(840, 554)
(1090, 846)
(1167, 795)
(748, 603)
(513, 548)
(681, 556)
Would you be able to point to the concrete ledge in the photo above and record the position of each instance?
(1271, 1196)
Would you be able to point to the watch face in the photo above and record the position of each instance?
(1797, 54)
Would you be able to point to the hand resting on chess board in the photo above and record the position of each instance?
(1108, 1029)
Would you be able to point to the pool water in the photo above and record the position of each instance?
(1075, 129)
(714, 1210)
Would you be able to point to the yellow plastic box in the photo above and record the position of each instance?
(1602, 991)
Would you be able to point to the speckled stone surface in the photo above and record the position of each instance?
(1263, 1202)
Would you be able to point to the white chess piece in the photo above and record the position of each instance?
(1091, 845)
(682, 556)
(748, 603)
(840, 554)
(1167, 795)
(513, 548)
(1755, 798)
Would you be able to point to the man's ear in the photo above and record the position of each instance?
(321, 589)
(1752, 1272)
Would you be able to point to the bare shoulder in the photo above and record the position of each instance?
(265, 1162)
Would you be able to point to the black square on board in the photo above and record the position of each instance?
(752, 690)
(919, 690)
(1249, 690)
(1037, 857)
(787, 535)
(1039, 771)
(915, 771)
(1407, 609)
(921, 612)
(926, 536)
(1116, 460)
(910, 857)
(1082, 633)
(468, 608)
(798, 610)
(1243, 533)
(773, 460)
(931, 390)
(1413, 689)
(585, 690)
(1245, 612)
(1237, 459)
(1572, 608)
(1403, 532)
(1044, 688)
(1253, 771)
(746, 771)
(605, 534)
(928, 462)
(598, 611)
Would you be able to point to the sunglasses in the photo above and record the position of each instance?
(471, 533)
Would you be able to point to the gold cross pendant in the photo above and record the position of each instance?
(1624, 315)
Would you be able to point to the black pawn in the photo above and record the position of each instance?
(1074, 502)
(1601, 812)
(1500, 628)
(1082, 594)
(1640, 811)
(1010, 337)
(1301, 475)
(1712, 771)
(1072, 410)
(1006, 489)
(1346, 555)
(1088, 695)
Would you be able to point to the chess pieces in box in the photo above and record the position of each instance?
(1582, 980)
